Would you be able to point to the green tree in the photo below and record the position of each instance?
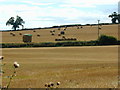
(107, 40)
(118, 18)
(115, 17)
(15, 23)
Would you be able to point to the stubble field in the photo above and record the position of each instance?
(74, 67)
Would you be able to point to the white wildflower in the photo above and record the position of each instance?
(16, 65)
(1, 57)
(58, 83)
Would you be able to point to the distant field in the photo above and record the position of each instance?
(85, 33)
(74, 67)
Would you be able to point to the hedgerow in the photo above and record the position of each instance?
(103, 40)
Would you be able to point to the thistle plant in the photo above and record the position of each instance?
(15, 66)
(1, 57)
(1, 71)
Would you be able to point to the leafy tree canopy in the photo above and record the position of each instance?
(115, 17)
(15, 23)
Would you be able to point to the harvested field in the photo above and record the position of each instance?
(49, 35)
(74, 67)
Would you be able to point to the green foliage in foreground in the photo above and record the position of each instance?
(103, 40)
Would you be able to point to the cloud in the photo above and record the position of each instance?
(88, 3)
(41, 13)
(2, 0)
(92, 2)
(78, 5)
(36, 3)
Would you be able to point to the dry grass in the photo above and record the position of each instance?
(85, 33)
(74, 67)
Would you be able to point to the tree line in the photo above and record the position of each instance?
(16, 23)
